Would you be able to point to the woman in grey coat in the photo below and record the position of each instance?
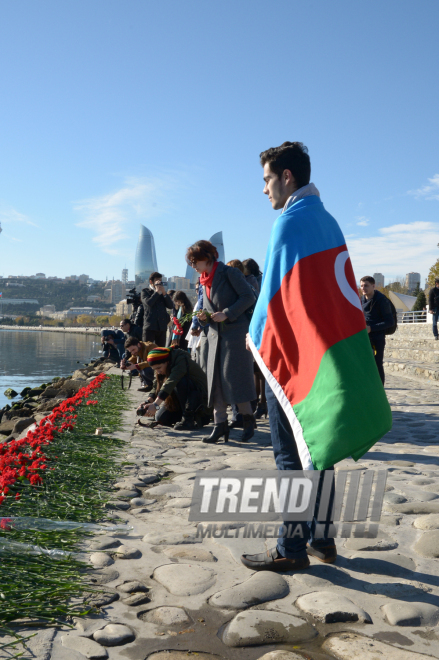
(227, 297)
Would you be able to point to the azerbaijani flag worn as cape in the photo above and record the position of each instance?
(309, 337)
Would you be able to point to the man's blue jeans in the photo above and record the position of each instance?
(435, 321)
(287, 458)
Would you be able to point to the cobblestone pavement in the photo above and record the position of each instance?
(188, 595)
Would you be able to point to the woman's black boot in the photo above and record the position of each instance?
(249, 428)
(219, 430)
(262, 409)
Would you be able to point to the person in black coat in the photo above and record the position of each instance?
(433, 303)
(155, 303)
(378, 314)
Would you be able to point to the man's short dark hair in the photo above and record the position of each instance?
(155, 276)
(132, 341)
(291, 156)
(436, 280)
(125, 321)
(368, 278)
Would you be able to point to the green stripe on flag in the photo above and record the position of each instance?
(346, 410)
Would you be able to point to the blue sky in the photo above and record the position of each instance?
(120, 112)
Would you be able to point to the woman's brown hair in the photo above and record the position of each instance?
(235, 263)
(201, 251)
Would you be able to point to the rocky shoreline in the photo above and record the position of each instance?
(37, 402)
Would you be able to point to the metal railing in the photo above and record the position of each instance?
(413, 317)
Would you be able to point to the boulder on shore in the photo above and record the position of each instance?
(10, 393)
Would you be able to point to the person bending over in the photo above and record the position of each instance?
(138, 361)
(180, 390)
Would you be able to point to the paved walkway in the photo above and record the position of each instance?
(188, 595)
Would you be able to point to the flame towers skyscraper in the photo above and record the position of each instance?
(146, 260)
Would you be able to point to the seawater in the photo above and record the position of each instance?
(29, 358)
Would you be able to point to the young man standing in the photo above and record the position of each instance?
(155, 302)
(308, 337)
(433, 303)
(378, 314)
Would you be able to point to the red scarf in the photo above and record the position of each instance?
(206, 280)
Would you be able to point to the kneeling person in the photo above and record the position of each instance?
(180, 386)
(138, 361)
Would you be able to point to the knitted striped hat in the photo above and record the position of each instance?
(158, 355)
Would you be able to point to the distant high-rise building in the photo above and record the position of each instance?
(379, 279)
(180, 282)
(146, 260)
(412, 280)
(118, 291)
(217, 241)
(83, 279)
(125, 275)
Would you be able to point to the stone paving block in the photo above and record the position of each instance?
(258, 627)
(189, 553)
(114, 634)
(126, 552)
(100, 559)
(259, 588)
(131, 586)
(430, 521)
(281, 655)
(428, 544)
(408, 589)
(137, 599)
(415, 508)
(183, 655)
(87, 647)
(192, 580)
(346, 646)
(330, 607)
(171, 538)
(400, 613)
(384, 563)
(382, 542)
(166, 616)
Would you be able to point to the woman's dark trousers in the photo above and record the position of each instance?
(187, 398)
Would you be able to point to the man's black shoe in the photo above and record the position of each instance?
(325, 553)
(271, 560)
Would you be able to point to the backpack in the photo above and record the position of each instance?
(393, 328)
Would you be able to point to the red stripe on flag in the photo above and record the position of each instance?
(308, 315)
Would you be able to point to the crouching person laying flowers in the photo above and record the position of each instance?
(180, 390)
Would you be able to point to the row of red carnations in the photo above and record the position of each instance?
(24, 460)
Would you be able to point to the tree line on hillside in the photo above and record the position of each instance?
(61, 295)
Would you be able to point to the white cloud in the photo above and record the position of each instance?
(396, 249)
(110, 215)
(362, 221)
(10, 215)
(430, 191)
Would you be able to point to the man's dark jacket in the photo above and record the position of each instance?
(378, 313)
(155, 316)
(134, 331)
(433, 299)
